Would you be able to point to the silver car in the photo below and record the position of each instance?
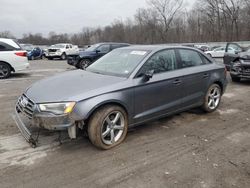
(126, 87)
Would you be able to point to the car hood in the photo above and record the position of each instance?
(71, 86)
(244, 55)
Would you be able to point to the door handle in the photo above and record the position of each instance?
(177, 82)
(206, 75)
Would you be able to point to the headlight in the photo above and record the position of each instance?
(57, 108)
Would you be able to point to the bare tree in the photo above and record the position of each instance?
(6, 34)
(167, 9)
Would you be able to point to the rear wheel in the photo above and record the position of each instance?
(212, 99)
(84, 64)
(108, 127)
(63, 56)
(5, 70)
(43, 56)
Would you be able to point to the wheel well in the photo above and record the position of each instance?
(220, 84)
(11, 68)
(102, 106)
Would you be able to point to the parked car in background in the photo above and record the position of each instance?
(219, 52)
(91, 54)
(36, 53)
(62, 51)
(238, 63)
(12, 57)
(127, 87)
(203, 48)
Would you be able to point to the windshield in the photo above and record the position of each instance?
(120, 62)
(58, 46)
(92, 48)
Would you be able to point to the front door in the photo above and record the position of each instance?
(163, 92)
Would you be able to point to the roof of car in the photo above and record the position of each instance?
(155, 47)
(114, 43)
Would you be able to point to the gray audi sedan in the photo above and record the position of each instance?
(126, 87)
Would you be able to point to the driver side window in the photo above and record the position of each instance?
(160, 62)
(104, 49)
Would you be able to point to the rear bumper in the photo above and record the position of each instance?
(21, 66)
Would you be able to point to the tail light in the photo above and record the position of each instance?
(22, 54)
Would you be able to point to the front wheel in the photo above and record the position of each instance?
(5, 70)
(108, 127)
(84, 64)
(212, 99)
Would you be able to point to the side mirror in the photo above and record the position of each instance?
(148, 75)
(97, 51)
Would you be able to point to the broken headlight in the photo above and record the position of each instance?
(57, 108)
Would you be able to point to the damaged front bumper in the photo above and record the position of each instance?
(24, 130)
(27, 116)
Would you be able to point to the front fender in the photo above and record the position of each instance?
(84, 109)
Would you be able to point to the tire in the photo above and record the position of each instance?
(108, 127)
(43, 57)
(63, 56)
(210, 55)
(212, 99)
(5, 70)
(235, 79)
(84, 63)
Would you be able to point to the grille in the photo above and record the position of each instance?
(52, 50)
(26, 106)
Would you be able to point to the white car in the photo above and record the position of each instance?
(62, 51)
(12, 57)
(219, 52)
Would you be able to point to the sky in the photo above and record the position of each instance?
(64, 16)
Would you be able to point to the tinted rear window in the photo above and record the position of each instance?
(6, 47)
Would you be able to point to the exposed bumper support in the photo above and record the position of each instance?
(24, 130)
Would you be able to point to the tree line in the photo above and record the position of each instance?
(164, 21)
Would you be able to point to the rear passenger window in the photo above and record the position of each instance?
(190, 58)
(160, 62)
(104, 48)
(114, 46)
(6, 47)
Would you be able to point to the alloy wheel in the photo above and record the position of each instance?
(112, 128)
(214, 98)
(4, 71)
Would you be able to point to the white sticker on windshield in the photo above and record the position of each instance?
(138, 52)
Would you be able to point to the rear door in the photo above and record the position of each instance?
(162, 94)
(196, 76)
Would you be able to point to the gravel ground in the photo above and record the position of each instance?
(191, 149)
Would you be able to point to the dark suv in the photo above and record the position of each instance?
(91, 54)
